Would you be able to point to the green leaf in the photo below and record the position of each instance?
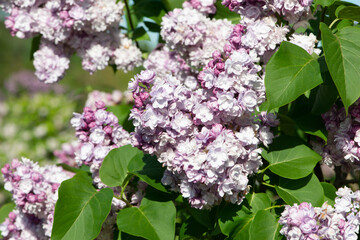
(148, 8)
(350, 12)
(81, 209)
(324, 3)
(153, 27)
(121, 112)
(291, 158)
(329, 193)
(171, 4)
(224, 13)
(242, 230)
(306, 189)
(290, 72)
(342, 57)
(5, 210)
(234, 219)
(191, 230)
(149, 170)
(152, 220)
(115, 165)
(258, 201)
(139, 34)
(264, 226)
(35, 45)
(313, 125)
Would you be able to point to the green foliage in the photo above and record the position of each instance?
(329, 193)
(264, 226)
(350, 12)
(5, 210)
(81, 209)
(152, 220)
(290, 72)
(291, 158)
(149, 170)
(307, 189)
(114, 168)
(342, 52)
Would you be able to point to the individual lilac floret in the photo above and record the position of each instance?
(67, 153)
(89, 28)
(339, 222)
(203, 6)
(208, 145)
(34, 191)
(307, 42)
(343, 144)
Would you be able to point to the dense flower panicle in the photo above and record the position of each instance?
(208, 144)
(194, 36)
(163, 61)
(98, 132)
(34, 191)
(292, 10)
(339, 222)
(110, 99)
(67, 153)
(203, 6)
(88, 27)
(343, 143)
(263, 35)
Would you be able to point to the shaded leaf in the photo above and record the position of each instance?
(349, 12)
(329, 193)
(306, 189)
(5, 210)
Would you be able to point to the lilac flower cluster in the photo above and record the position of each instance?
(88, 27)
(339, 222)
(99, 132)
(343, 143)
(194, 36)
(307, 42)
(292, 10)
(110, 99)
(207, 139)
(203, 6)
(34, 191)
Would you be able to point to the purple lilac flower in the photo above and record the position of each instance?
(339, 222)
(89, 28)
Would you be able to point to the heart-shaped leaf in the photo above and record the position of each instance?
(291, 158)
(342, 51)
(114, 168)
(306, 189)
(152, 220)
(290, 72)
(264, 226)
(81, 209)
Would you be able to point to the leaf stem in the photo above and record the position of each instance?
(272, 207)
(129, 19)
(333, 22)
(267, 184)
(263, 170)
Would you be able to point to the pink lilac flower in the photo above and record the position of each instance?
(34, 191)
(339, 222)
(90, 28)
